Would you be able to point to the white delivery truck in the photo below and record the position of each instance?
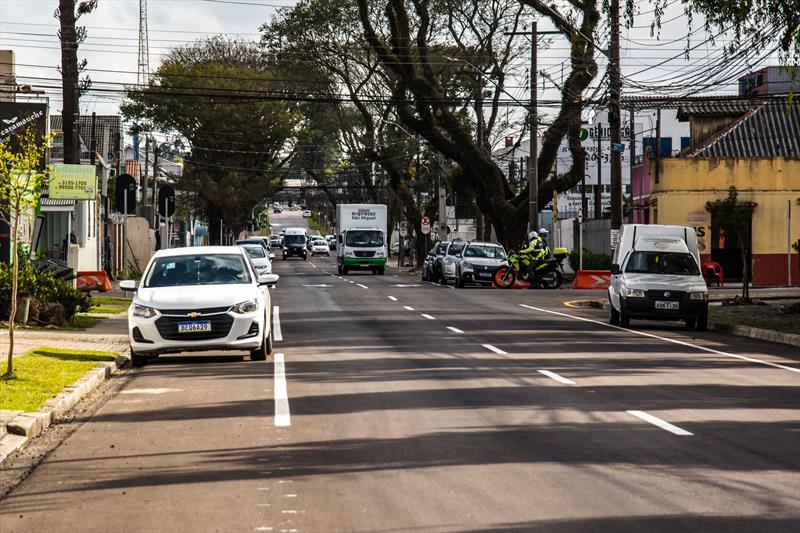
(656, 275)
(361, 237)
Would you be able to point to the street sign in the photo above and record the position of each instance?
(125, 187)
(425, 225)
(403, 228)
(580, 215)
(166, 201)
(617, 147)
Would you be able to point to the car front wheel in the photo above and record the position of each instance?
(137, 359)
(260, 353)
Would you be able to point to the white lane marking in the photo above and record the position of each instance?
(647, 417)
(494, 349)
(429, 317)
(150, 391)
(406, 285)
(392, 298)
(277, 334)
(318, 285)
(665, 339)
(349, 281)
(312, 264)
(362, 286)
(560, 379)
(408, 308)
(282, 416)
(263, 528)
(454, 330)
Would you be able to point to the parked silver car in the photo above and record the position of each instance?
(473, 262)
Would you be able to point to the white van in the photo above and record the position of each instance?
(294, 243)
(656, 275)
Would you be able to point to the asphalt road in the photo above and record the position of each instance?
(415, 407)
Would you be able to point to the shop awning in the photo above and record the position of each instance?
(53, 205)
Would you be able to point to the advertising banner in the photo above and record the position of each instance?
(73, 182)
(16, 116)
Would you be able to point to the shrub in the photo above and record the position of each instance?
(54, 301)
(591, 260)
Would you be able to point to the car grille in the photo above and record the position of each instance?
(220, 327)
(484, 268)
(184, 313)
(661, 295)
(362, 253)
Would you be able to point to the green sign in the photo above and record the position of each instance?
(73, 182)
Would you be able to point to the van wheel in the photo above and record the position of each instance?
(702, 323)
(339, 269)
(614, 318)
(624, 317)
(442, 280)
(381, 271)
(345, 271)
(691, 323)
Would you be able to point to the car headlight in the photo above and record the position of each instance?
(350, 253)
(243, 308)
(634, 293)
(143, 311)
(379, 253)
(468, 265)
(699, 295)
(285, 249)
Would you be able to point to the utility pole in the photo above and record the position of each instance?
(615, 123)
(479, 219)
(442, 203)
(533, 119)
(598, 207)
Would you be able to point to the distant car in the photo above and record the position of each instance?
(274, 240)
(432, 264)
(475, 262)
(263, 242)
(331, 241)
(448, 261)
(200, 298)
(294, 243)
(306, 214)
(277, 209)
(319, 246)
(260, 258)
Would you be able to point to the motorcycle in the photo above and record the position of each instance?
(548, 275)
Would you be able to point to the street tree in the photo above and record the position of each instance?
(22, 172)
(733, 216)
(237, 117)
(71, 37)
(400, 35)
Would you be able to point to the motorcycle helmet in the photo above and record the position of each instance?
(543, 232)
(532, 235)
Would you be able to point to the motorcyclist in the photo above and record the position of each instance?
(533, 253)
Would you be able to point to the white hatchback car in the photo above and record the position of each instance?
(200, 298)
(318, 245)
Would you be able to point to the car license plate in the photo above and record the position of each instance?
(670, 306)
(194, 327)
(485, 274)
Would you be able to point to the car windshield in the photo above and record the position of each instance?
(441, 248)
(366, 238)
(489, 252)
(294, 239)
(255, 251)
(455, 249)
(681, 264)
(319, 242)
(199, 269)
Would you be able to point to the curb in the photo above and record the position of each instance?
(770, 335)
(23, 426)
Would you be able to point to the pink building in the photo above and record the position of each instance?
(640, 191)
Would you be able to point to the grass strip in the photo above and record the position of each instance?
(110, 300)
(108, 309)
(42, 373)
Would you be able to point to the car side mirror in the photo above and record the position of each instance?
(271, 255)
(615, 269)
(268, 279)
(127, 285)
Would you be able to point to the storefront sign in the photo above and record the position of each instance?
(699, 221)
(73, 182)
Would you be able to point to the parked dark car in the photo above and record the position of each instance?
(432, 264)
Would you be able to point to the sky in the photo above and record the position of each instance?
(28, 26)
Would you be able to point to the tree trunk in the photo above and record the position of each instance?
(69, 78)
(14, 287)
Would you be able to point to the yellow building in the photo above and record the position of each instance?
(755, 147)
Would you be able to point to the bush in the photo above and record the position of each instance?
(53, 300)
(591, 260)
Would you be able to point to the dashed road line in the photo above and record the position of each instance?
(647, 417)
(362, 286)
(455, 330)
(494, 349)
(277, 334)
(429, 317)
(392, 298)
(557, 377)
(665, 339)
(282, 416)
(312, 264)
(408, 308)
